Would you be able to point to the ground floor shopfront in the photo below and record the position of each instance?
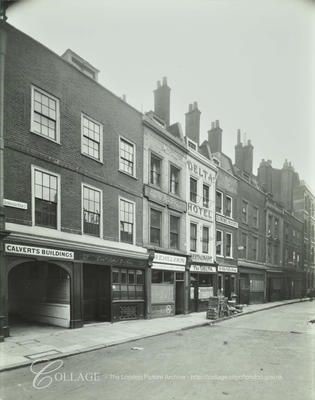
(67, 286)
(167, 283)
(285, 284)
(252, 283)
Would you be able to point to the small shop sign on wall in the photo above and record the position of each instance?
(15, 204)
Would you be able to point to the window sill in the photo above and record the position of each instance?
(46, 137)
(126, 173)
(92, 158)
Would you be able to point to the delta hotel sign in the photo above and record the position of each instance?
(208, 178)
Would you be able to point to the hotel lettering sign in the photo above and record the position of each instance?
(202, 172)
(201, 212)
(226, 221)
(38, 251)
(203, 268)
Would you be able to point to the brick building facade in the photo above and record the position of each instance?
(72, 148)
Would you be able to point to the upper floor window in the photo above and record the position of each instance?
(45, 198)
(45, 115)
(126, 221)
(205, 196)
(205, 239)
(193, 237)
(255, 248)
(92, 208)
(155, 170)
(244, 244)
(155, 227)
(127, 157)
(255, 217)
(219, 243)
(228, 209)
(219, 202)
(269, 227)
(174, 232)
(92, 138)
(276, 231)
(193, 190)
(192, 145)
(244, 211)
(228, 245)
(174, 180)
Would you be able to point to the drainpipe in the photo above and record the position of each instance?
(3, 233)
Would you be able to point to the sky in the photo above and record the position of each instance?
(248, 63)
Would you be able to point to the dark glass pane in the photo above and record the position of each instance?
(168, 277)
(45, 213)
(156, 276)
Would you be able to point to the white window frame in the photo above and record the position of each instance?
(247, 208)
(134, 175)
(57, 140)
(33, 169)
(256, 210)
(226, 234)
(169, 179)
(193, 222)
(160, 210)
(222, 243)
(134, 219)
(231, 198)
(171, 214)
(101, 138)
(219, 212)
(101, 209)
(201, 239)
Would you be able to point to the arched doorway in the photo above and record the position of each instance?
(39, 292)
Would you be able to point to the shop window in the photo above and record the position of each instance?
(159, 276)
(91, 200)
(219, 243)
(228, 210)
(205, 239)
(205, 196)
(174, 180)
(155, 176)
(45, 115)
(220, 282)
(193, 237)
(219, 202)
(127, 284)
(174, 232)
(193, 190)
(127, 217)
(46, 198)
(228, 245)
(155, 227)
(127, 157)
(179, 276)
(91, 138)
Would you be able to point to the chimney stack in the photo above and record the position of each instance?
(239, 151)
(215, 137)
(162, 95)
(248, 151)
(192, 126)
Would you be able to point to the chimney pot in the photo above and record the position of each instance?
(238, 136)
(195, 105)
(212, 125)
(217, 124)
(164, 81)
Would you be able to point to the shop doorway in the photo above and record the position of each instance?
(179, 293)
(96, 293)
(38, 293)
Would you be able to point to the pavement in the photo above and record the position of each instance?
(31, 343)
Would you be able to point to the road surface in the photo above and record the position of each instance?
(266, 355)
